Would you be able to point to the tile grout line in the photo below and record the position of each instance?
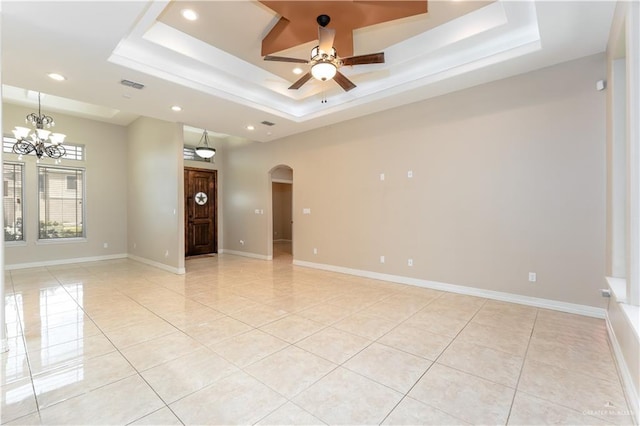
(406, 395)
(24, 339)
(237, 274)
(524, 360)
(337, 366)
(26, 351)
(543, 398)
(26, 348)
(137, 372)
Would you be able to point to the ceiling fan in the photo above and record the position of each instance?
(325, 62)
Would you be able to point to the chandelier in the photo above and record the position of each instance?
(42, 141)
(203, 149)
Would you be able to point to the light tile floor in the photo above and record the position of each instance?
(242, 341)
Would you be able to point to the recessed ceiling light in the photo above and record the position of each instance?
(250, 127)
(176, 108)
(189, 14)
(56, 76)
(297, 70)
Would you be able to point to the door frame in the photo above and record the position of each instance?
(214, 172)
(270, 182)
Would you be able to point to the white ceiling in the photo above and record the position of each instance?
(215, 71)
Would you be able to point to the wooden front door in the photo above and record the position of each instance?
(200, 192)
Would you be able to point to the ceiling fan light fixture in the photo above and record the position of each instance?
(325, 61)
(323, 71)
(318, 54)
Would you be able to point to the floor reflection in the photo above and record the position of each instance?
(235, 338)
(283, 251)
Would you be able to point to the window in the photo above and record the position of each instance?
(12, 175)
(72, 182)
(189, 153)
(73, 151)
(61, 205)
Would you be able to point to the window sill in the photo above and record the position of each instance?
(61, 241)
(15, 244)
(618, 287)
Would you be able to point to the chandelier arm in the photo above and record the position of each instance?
(55, 151)
(23, 147)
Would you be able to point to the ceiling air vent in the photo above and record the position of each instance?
(133, 84)
(267, 123)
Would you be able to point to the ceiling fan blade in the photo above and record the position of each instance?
(325, 38)
(372, 58)
(343, 81)
(302, 80)
(284, 59)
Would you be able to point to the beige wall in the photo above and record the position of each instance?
(155, 192)
(508, 178)
(106, 188)
(281, 193)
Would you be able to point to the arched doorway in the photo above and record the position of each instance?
(281, 223)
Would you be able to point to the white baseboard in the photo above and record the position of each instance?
(627, 380)
(63, 261)
(178, 271)
(555, 305)
(246, 254)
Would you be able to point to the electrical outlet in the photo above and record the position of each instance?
(241, 242)
(315, 250)
(166, 253)
(381, 259)
(381, 176)
(410, 262)
(532, 277)
(105, 245)
(410, 174)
